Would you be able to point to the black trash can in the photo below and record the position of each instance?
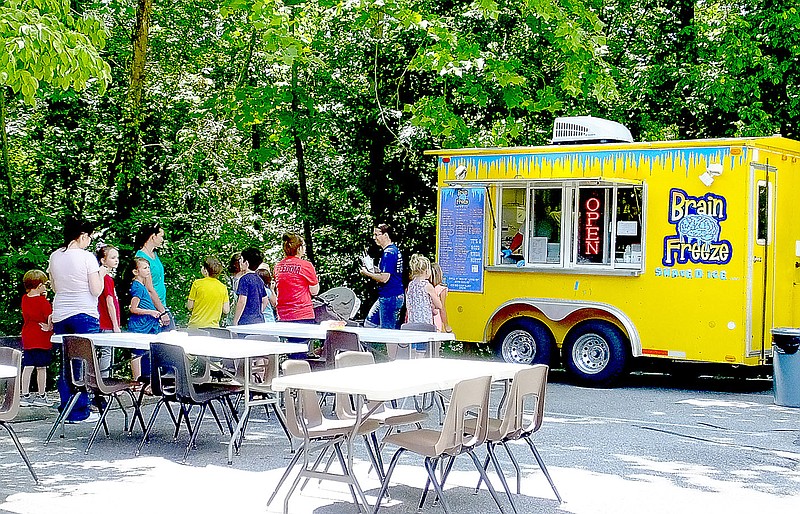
(786, 366)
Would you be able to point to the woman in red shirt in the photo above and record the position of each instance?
(296, 282)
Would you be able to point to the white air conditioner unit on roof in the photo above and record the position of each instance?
(588, 129)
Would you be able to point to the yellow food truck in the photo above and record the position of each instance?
(606, 250)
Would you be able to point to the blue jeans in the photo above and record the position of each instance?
(77, 324)
(385, 312)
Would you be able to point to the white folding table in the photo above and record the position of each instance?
(7, 371)
(367, 335)
(384, 382)
(207, 346)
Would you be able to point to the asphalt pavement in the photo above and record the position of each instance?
(651, 445)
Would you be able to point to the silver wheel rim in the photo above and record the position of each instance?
(519, 347)
(591, 354)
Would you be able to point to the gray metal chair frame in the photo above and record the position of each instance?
(83, 371)
(470, 399)
(528, 385)
(305, 421)
(169, 367)
(10, 406)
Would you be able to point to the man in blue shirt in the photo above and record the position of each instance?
(385, 313)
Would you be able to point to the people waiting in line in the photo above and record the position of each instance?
(385, 312)
(77, 280)
(108, 304)
(295, 282)
(37, 327)
(265, 275)
(148, 240)
(208, 297)
(144, 317)
(251, 293)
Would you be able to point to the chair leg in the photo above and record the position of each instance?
(291, 465)
(101, 421)
(385, 484)
(20, 449)
(216, 418)
(372, 451)
(544, 468)
(430, 467)
(62, 417)
(485, 467)
(444, 471)
(193, 438)
(150, 424)
(490, 450)
(486, 479)
(516, 466)
(137, 412)
(283, 424)
(115, 397)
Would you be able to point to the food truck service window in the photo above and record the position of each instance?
(573, 225)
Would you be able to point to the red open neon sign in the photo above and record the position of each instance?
(591, 227)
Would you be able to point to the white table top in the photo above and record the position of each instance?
(397, 379)
(7, 371)
(367, 335)
(195, 345)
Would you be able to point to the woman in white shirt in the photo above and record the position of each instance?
(77, 280)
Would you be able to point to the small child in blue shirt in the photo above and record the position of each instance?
(144, 316)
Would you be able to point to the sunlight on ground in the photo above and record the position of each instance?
(159, 485)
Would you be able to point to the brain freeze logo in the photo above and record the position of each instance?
(697, 221)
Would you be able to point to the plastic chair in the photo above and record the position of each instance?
(470, 399)
(10, 406)
(335, 341)
(170, 377)
(305, 421)
(267, 371)
(205, 375)
(431, 348)
(83, 371)
(529, 384)
(388, 417)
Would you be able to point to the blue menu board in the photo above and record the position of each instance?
(461, 233)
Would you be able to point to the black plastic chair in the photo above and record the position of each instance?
(10, 406)
(335, 341)
(170, 378)
(83, 372)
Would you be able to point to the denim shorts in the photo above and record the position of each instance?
(385, 312)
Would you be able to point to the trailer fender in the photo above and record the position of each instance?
(558, 310)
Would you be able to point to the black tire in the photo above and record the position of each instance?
(524, 341)
(596, 353)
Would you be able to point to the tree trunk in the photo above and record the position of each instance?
(302, 176)
(6, 167)
(126, 166)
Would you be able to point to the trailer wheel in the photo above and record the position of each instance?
(596, 353)
(524, 341)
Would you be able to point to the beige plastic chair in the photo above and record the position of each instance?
(470, 400)
(529, 385)
(387, 416)
(10, 406)
(305, 421)
(267, 371)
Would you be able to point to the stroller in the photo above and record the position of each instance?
(339, 303)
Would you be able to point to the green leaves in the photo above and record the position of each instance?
(41, 42)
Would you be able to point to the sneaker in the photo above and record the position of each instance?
(40, 400)
(93, 417)
(26, 400)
